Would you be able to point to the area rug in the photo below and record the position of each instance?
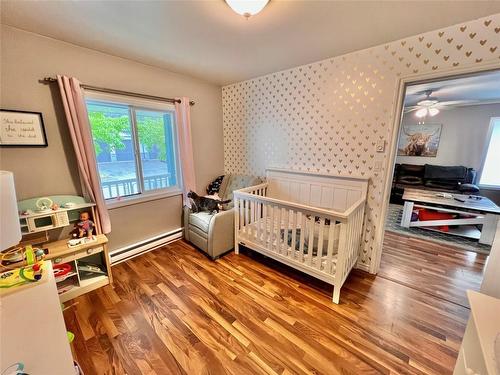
(393, 224)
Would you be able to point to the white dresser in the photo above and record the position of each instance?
(480, 350)
(32, 330)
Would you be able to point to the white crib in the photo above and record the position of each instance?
(312, 222)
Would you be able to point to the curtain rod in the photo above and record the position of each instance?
(47, 80)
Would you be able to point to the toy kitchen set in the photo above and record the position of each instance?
(79, 256)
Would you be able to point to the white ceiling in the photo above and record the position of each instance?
(475, 89)
(206, 39)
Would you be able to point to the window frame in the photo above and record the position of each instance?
(138, 104)
(487, 144)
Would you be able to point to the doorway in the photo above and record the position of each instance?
(445, 190)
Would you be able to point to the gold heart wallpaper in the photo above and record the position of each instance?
(329, 115)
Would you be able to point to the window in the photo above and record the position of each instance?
(490, 173)
(135, 145)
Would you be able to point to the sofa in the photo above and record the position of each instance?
(452, 179)
(214, 233)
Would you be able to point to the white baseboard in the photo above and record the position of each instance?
(363, 267)
(141, 247)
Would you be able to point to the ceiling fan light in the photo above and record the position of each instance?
(422, 112)
(433, 111)
(247, 8)
(427, 102)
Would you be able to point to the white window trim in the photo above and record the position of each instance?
(142, 198)
(130, 100)
(138, 103)
(485, 154)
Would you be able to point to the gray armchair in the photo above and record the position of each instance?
(214, 233)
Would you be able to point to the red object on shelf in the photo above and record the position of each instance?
(427, 215)
(61, 269)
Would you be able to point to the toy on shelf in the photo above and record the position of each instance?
(32, 269)
(84, 227)
(26, 255)
(14, 369)
(12, 280)
(62, 271)
(44, 204)
(83, 232)
(51, 212)
(64, 287)
(81, 241)
(89, 269)
(12, 256)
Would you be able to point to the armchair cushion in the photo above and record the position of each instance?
(200, 220)
(235, 182)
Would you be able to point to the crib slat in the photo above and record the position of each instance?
(247, 218)
(254, 218)
(286, 227)
(319, 254)
(259, 221)
(294, 232)
(331, 240)
(310, 245)
(236, 226)
(278, 230)
(342, 253)
(271, 229)
(264, 225)
(302, 236)
(358, 225)
(350, 241)
(242, 217)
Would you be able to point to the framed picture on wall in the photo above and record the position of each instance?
(419, 140)
(22, 129)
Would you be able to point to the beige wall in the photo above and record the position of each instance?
(27, 57)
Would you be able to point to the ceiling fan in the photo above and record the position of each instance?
(431, 106)
(427, 107)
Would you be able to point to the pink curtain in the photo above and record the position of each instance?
(79, 129)
(183, 120)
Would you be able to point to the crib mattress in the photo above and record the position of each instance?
(265, 231)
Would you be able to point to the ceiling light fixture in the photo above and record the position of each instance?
(427, 106)
(433, 111)
(427, 111)
(247, 8)
(422, 112)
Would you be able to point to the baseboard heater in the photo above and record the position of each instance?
(131, 251)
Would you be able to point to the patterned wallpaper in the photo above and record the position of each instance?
(328, 116)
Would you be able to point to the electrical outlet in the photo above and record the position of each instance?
(380, 146)
(377, 166)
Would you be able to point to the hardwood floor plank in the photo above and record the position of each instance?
(437, 269)
(174, 311)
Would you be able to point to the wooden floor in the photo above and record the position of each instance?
(173, 311)
(443, 271)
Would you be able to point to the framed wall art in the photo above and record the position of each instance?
(419, 140)
(22, 129)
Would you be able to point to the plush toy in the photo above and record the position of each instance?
(84, 227)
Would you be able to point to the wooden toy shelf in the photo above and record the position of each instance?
(33, 221)
(90, 264)
(81, 282)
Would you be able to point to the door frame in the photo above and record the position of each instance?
(399, 96)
